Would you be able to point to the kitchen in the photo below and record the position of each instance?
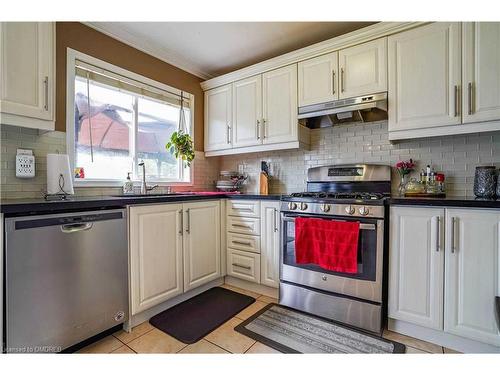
(386, 133)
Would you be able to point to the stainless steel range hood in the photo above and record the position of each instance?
(362, 108)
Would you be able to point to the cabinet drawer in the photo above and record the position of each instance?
(243, 208)
(243, 242)
(243, 225)
(243, 265)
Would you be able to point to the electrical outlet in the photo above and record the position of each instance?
(25, 164)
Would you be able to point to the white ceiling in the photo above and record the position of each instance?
(209, 49)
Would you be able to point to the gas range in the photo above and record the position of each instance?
(338, 193)
(356, 190)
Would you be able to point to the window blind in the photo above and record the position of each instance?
(93, 73)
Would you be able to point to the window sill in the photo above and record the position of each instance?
(137, 184)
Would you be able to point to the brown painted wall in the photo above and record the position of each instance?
(87, 40)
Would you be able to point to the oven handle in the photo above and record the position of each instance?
(363, 226)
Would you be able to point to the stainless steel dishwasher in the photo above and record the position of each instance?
(66, 278)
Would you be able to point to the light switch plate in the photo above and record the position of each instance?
(25, 164)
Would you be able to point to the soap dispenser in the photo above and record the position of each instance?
(128, 186)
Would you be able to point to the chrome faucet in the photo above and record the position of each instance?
(144, 187)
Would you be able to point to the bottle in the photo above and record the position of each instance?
(128, 186)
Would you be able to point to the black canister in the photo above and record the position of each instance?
(485, 182)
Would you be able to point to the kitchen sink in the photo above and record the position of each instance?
(157, 195)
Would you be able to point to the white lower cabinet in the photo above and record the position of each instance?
(270, 244)
(253, 240)
(416, 266)
(472, 278)
(201, 243)
(155, 255)
(444, 270)
(173, 248)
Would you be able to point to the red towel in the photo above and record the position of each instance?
(332, 245)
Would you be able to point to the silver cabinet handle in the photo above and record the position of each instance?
(470, 88)
(228, 135)
(258, 129)
(263, 128)
(78, 227)
(188, 226)
(457, 94)
(242, 243)
(341, 79)
(438, 234)
(333, 82)
(182, 222)
(46, 92)
(241, 226)
(454, 231)
(275, 220)
(242, 266)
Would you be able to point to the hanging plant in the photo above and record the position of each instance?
(181, 143)
(181, 146)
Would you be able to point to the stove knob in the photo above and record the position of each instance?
(303, 206)
(325, 207)
(292, 206)
(350, 210)
(364, 211)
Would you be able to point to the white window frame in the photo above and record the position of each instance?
(71, 57)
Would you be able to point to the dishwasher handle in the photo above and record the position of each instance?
(77, 227)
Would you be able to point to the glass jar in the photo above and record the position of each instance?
(485, 181)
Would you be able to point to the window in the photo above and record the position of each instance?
(119, 120)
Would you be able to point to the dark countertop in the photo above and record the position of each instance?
(446, 202)
(41, 206)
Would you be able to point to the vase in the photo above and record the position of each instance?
(485, 182)
(402, 186)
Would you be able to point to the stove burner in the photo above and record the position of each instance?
(351, 195)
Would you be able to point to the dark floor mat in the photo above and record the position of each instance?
(193, 319)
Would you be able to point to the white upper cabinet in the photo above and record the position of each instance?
(318, 79)
(27, 66)
(363, 69)
(472, 278)
(155, 255)
(481, 71)
(247, 112)
(416, 265)
(218, 118)
(279, 89)
(202, 245)
(425, 77)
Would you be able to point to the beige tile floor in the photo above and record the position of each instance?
(147, 339)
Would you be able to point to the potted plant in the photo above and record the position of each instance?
(181, 146)
(404, 168)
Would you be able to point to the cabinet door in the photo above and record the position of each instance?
(247, 112)
(363, 69)
(425, 77)
(280, 105)
(27, 69)
(218, 113)
(472, 276)
(318, 78)
(270, 244)
(416, 266)
(481, 71)
(155, 255)
(202, 246)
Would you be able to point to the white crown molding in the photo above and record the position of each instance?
(363, 35)
(117, 32)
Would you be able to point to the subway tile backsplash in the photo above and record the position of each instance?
(456, 156)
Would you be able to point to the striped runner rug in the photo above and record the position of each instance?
(291, 331)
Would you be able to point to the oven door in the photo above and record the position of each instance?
(365, 284)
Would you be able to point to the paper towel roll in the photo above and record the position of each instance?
(59, 177)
